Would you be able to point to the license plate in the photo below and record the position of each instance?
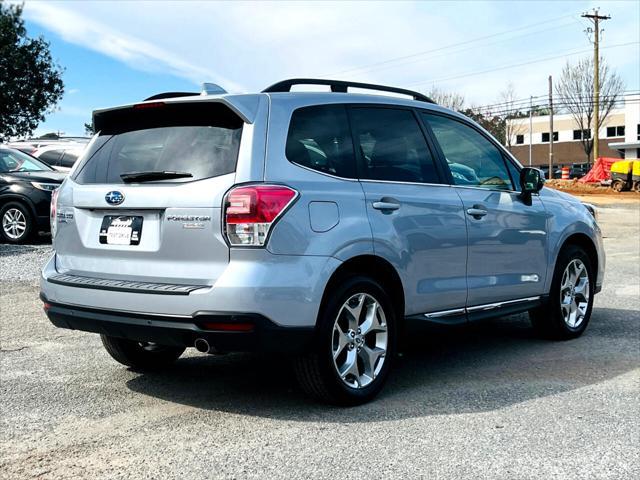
(121, 230)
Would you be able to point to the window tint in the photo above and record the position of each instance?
(51, 157)
(201, 138)
(16, 161)
(319, 138)
(393, 146)
(472, 158)
(515, 174)
(69, 158)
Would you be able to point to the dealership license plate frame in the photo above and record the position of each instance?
(121, 230)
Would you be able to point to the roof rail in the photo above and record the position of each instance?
(341, 86)
(160, 96)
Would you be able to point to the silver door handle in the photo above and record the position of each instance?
(386, 206)
(476, 212)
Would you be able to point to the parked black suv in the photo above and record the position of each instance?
(25, 195)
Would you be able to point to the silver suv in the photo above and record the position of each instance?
(320, 224)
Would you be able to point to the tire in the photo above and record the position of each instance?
(16, 223)
(618, 185)
(559, 321)
(338, 331)
(140, 356)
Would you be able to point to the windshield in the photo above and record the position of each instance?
(12, 160)
(197, 140)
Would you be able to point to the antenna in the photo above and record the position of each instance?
(212, 89)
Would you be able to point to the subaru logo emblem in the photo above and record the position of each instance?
(114, 197)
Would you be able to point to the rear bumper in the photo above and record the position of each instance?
(183, 331)
(286, 290)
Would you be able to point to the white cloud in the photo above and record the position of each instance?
(245, 46)
(132, 50)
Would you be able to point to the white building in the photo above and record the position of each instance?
(619, 136)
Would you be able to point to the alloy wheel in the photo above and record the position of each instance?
(360, 340)
(574, 293)
(14, 223)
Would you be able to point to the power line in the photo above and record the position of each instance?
(401, 63)
(560, 106)
(466, 42)
(505, 67)
(520, 104)
(621, 96)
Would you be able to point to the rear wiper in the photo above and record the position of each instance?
(150, 176)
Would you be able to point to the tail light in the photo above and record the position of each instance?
(53, 219)
(251, 211)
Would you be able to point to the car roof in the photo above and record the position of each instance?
(320, 98)
(62, 146)
(246, 104)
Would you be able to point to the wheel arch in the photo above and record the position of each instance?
(14, 197)
(376, 268)
(583, 241)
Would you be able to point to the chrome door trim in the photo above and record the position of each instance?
(491, 306)
(477, 308)
(445, 313)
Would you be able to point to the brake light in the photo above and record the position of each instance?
(251, 211)
(53, 219)
(139, 106)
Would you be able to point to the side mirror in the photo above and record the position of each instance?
(531, 181)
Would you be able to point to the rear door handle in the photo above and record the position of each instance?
(476, 211)
(386, 204)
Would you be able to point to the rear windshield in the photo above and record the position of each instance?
(201, 139)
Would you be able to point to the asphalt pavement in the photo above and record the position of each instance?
(488, 400)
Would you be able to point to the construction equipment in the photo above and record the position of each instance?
(625, 175)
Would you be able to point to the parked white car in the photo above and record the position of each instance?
(60, 156)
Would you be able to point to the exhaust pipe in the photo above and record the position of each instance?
(203, 346)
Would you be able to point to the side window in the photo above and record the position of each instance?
(319, 138)
(68, 159)
(392, 146)
(472, 159)
(515, 174)
(51, 157)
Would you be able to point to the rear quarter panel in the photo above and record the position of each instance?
(329, 218)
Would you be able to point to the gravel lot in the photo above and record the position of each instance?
(484, 401)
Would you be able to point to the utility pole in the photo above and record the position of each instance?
(530, 125)
(550, 127)
(595, 18)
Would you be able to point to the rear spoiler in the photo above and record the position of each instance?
(245, 106)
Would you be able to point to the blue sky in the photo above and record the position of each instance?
(120, 52)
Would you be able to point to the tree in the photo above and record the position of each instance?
(510, 112)
(88, 129)
(575, 92)
(452, 100)
(494, 124)
(30, 82)
(49, 136)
